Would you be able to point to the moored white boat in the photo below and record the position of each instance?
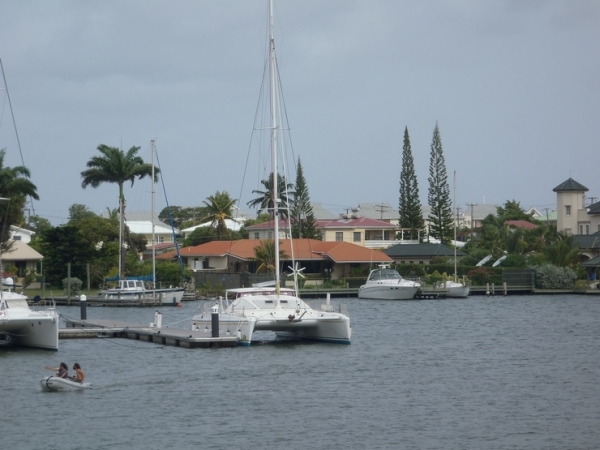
(245, 310)
(387, 284)
(455, 289)
(136, 290)
(271, 307)
(53, 383)
(23, 326)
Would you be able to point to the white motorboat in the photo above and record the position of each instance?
(387, 284)
(53, 383)
(137, 291)
(271, 307)
(23, 326)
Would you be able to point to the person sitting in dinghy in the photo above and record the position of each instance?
(62, 371)
(79, 375)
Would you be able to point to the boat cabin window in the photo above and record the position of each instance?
(386, 274)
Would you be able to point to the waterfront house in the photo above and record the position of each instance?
(327, 259)
(575, 214)
(20, 254)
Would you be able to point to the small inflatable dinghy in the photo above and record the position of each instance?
(52, 383)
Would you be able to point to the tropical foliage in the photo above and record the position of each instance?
(552, 277)
(117, 167)
(265, 201)
(264, 254)
(15, 187)
(219, 209)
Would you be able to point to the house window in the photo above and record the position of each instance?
(357, 236)
(584, 228)
(567, 210)
(270, 235)
(256, 235)
(16, 238)
(339, 236)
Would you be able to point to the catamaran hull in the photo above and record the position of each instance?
(387, 292)
(329, 328)
(37, 331)
(52, 383)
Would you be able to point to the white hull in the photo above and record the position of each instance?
(163, 297)
(387, 292)
(456, 290)
(53, 383)
(387, 284)
(288, 315)
(28, 327)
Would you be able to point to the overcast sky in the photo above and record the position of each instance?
(514, 86)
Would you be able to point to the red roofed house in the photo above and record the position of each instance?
(336, 259)
(520, 224)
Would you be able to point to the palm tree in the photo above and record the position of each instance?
(265, 198)
(264, 254)
(219, 208)
(564, 252)
(116, 166)
(15, 187)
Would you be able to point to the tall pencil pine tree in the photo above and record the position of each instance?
(441, 225)
(411, 215)
(304, 224)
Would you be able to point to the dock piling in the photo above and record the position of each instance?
(83, 306)
(215, 321)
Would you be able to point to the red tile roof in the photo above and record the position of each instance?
(304, 249)
(520, 224)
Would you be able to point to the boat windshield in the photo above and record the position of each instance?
(385, 274)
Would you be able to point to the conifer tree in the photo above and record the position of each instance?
(304, 224)
(411, 215)
(441, 225)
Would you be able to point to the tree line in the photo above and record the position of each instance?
(92, 244)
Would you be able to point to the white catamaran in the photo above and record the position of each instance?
(271, 307)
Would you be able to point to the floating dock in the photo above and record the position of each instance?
(177, 337)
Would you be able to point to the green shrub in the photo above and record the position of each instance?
(552, 277)
(76, 284)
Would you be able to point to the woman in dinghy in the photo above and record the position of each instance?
(61, 372)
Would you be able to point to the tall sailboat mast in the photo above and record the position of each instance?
(153, 225)
(273, 103)
(455, 225)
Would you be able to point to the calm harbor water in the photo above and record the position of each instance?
(517, 372)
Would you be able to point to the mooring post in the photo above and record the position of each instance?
(83, 306)
(215, 321)
(158, 319)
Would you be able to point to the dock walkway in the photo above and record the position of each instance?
(77, 329)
